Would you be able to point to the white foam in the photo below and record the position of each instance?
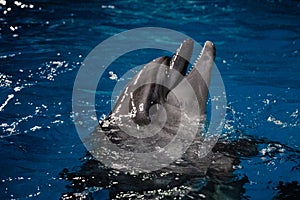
(113, 76)
(3, 2)
(35, 128)
(9, 97)
(17, 89)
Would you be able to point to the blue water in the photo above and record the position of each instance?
(43, 44)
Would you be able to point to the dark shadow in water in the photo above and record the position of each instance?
(288, 190)
(92, 180)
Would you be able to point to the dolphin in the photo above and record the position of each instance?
(160, 100)
(146, 117)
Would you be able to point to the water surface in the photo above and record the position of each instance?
(43, 44)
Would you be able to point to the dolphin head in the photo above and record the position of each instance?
(153, 84)
(159, 113)
(156, 80)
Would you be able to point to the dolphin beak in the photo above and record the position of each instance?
(177, 67)
(181, 58)
(201, 70)
(199, 76)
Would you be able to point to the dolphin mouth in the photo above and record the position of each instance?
(208, 52)
(181, 60)
(199, 73)
(171, 70)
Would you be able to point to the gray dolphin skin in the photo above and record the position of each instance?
(161, 99)
(168, 72)
(149, 112)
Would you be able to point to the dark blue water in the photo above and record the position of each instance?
(43, 44)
